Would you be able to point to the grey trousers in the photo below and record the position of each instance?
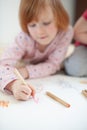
(76, 64)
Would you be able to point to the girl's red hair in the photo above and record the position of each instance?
(30, 9)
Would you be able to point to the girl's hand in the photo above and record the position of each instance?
(21, 91)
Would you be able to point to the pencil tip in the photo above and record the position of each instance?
(68, 105)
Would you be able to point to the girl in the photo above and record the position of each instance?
(76, 65)
(43, 42)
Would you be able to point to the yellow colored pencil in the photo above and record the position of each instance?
(20, 77)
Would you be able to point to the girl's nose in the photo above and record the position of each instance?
(40, 30)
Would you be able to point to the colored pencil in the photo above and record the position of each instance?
(57, 99)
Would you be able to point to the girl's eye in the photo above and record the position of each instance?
(47, 23)
(32, 25)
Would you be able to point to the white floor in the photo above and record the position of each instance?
(45, 113)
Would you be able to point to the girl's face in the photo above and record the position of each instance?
(44, 30)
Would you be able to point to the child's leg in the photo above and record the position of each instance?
(76, 64)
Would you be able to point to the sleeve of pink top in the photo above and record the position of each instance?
(10, 58)
(54, 61)
(85, 14)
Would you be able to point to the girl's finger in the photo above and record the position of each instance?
(27, 90)
(33, 90)
(22, 96)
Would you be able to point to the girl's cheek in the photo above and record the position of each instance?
(32, 32)
(52, 28)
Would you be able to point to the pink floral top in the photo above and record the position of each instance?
(39, 64)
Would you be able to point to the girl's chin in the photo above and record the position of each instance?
(44, 44)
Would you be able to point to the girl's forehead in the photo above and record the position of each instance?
(45, 14)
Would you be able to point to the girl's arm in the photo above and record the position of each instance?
(9, 59)
(80, 29)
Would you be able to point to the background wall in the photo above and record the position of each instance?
(9, 24)
(70, 7)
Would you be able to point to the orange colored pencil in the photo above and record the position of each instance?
(57, 99)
